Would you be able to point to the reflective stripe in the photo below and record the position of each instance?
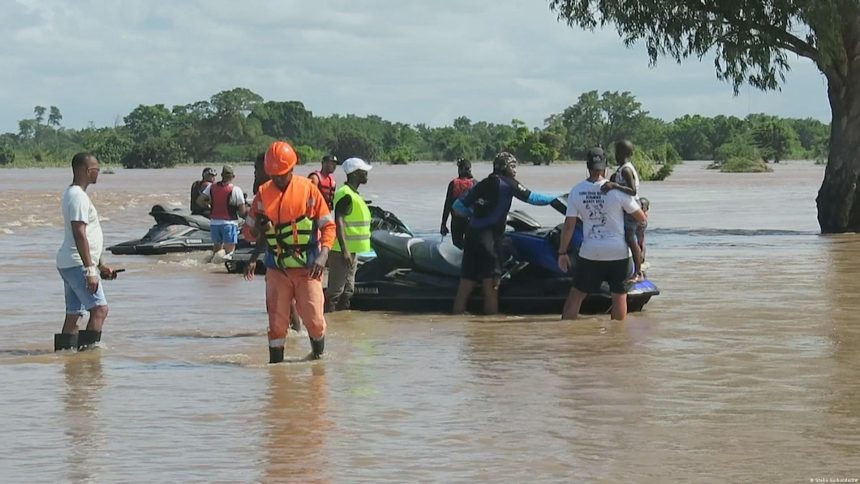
(356, 223)
(277, 343)
(323, 221)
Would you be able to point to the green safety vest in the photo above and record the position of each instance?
(356, 224)
(289, 242)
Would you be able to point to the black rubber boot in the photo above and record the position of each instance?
(65, 341)
(276, 355)
(317, 347)
(88, 339)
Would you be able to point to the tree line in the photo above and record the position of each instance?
(237, 124)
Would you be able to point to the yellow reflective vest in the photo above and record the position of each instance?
(356, 224)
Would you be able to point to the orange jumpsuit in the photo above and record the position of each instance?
(300, 199)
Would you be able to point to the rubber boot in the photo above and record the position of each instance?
(276, 355)
(317, 347)
(65, 341)
(88, 339)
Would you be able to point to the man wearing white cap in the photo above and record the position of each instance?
(352, 219)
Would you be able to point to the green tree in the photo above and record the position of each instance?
(584, 123)
(54, 117)
(109, 145)
(39, 112)
(752, 40)
(230, 116)
(774, 137)
(7, 154)
(146, 122)
(159, 152)
(285, 120)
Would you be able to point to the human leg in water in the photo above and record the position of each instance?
(490, 289)
(309, 304)
(573, 303)
(463, 292)
(68, 338)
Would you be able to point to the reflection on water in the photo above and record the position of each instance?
(85, 446)
(296, 424)
(744, 368)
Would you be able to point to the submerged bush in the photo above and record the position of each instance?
(308, 154)
(154, 153)
(744, 165)
(7, 155)
(401, 155)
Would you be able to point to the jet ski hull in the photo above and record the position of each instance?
(410, 291)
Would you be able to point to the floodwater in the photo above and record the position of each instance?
(746, 367)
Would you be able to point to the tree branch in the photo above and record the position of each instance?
(785, 40)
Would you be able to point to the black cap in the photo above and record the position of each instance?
(209, 171)
(596, 159)
(330, 158)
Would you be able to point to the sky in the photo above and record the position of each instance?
(413, 61)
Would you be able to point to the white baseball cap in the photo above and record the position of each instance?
(353, 164)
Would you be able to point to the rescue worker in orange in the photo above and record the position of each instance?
(324, 179)
(296, 228)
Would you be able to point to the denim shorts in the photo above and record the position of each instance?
(224, 234)
(78, 298)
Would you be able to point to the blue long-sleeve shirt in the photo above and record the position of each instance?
(489, 202)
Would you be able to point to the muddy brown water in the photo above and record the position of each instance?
(747, 367)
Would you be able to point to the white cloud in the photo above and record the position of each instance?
(406, 61)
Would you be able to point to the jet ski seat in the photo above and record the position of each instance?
(178, 216)
(436, 258)
(416, 253)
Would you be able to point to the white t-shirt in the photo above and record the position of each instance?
(77, 207)
(602, 216)
(236, 198)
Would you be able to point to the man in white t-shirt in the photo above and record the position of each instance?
(604, 255)
(227, 204)
(79, 260)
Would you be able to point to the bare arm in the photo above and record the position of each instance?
(449, 201)
(79, 232)
(203, 201)
(611, 185)
(564, 242)
(640, 216)
(343, 208)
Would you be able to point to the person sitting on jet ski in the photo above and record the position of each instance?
(487, 206)
(197, 188)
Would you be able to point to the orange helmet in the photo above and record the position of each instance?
(280, 158)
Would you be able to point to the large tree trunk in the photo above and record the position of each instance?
(839, 196)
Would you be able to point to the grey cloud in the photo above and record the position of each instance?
(407, 61)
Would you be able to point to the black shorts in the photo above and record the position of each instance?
(590, 274)
(459, 225)
(481, 255)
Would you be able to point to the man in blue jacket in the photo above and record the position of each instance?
(487, 206)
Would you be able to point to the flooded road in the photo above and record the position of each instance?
(744, 368)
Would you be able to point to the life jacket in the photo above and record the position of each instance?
(222, 209)
(327, 186)
(462, 186)
(196, 189)
(356, 224)
(290, 237)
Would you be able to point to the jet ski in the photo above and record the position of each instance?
(412, 274)
(175, 230)
(380, 220)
